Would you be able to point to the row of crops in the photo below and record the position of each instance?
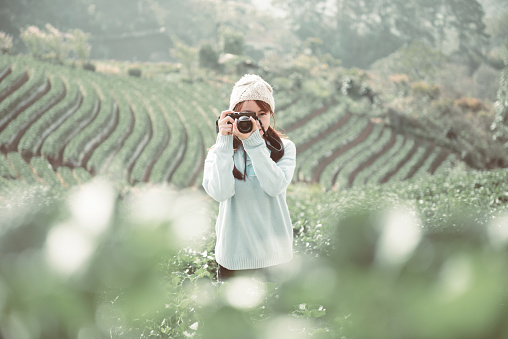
(339, 148)
(136, 130)
(59, 120)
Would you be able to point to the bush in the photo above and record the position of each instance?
(134, 71)
(89, 67)
(5, 43)
(56, 45)
(423, 89)
(79, 43)
(34, 40)
(232, 41)
(470, 104)
(208, 57)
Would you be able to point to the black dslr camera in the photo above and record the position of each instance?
(244, 123)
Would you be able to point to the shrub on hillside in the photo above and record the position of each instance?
(5, 43)
(134, 71)
(89, 67)
(186, 55)
(208, 57)
(79, 44)
(55, 45)
(467, 104)
(418, 60)
(33, 38)
(424, 89)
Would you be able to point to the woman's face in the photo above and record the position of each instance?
(263, 116)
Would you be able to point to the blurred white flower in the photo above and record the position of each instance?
(185, 211)
(245, 293)
(287, 327)
(498, 232)
(70, 244)
(68, 248)
(456, 277)
(92, 206)
(400, 235)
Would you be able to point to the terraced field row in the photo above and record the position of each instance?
(61, 126)
(339, 149)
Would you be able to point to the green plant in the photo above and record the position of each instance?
(134, 71)
(33, 38)
(5, 43)
(186, 55)
(208, 57)
(79, 44)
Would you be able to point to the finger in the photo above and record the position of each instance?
(255, 123)
(224, 113)
(236, 131)
(225, 127)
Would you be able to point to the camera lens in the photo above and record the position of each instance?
(244, 124)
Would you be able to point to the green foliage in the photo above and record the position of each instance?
(5, 43)
(89, 67)
(500, 123)
(186, 55)
(419, 61)
(87, 260)
(360, 33)
(54, 44)
(422, 258)
(33, 39)
(79, 42)
(231, 40)
(134, 71)
(208, 57)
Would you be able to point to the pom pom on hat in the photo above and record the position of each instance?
(252, 87)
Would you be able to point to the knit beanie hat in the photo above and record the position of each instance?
(251, 87)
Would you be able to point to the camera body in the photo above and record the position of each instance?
(244, 123)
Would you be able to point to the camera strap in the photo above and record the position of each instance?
(273, 144)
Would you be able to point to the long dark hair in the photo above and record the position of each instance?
(237, 143)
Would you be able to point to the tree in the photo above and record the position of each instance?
(79, 42)
(186, 55)
(360, 32)
(500, 124)
(5, 43)
(231, 40)
(208, 57)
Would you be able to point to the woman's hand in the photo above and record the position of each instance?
(242, 136)
(225, 123)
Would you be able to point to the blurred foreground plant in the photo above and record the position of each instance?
(88, 264)
(427, 262)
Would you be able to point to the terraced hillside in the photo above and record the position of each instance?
(339, 148)
(61, 126)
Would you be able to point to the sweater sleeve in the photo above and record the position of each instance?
(274, 177)
(218, 179)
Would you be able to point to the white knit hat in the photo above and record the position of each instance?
(251, 87)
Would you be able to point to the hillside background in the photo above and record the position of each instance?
(430, 72)
(399, 203)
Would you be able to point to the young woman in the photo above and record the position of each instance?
(248, 173)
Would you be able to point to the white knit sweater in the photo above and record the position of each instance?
(253, 228)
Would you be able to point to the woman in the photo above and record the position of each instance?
(248, 173)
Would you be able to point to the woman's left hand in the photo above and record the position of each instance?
(242, 136)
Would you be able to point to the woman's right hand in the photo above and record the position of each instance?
(225, 123)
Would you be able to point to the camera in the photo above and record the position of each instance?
(244, 123)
